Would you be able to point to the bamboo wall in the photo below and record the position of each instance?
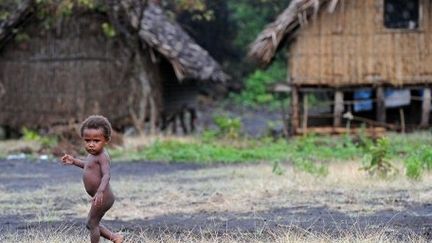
(351, 47)
(63, 74)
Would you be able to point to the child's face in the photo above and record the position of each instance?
(94, 140)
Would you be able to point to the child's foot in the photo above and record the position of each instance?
(118, 238)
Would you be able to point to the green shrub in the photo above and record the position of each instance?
(30, 135)
(414, 168)
(418, 161)
(257, 84)
(377, 160)
(228, 127)
(45, 141)
(426, 157)
(364, 140)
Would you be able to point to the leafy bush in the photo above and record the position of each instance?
(414, 169)
(45, 141)
(257, 84)
(228, 127)
(364, 140)
(30, 135)
(377, 159)
(417, 162)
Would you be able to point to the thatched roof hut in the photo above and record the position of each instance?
(189, 60)
(343, 45)
(63, 73)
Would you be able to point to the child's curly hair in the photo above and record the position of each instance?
(96, 122)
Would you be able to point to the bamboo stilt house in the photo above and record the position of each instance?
(348, 46)
(116, 58)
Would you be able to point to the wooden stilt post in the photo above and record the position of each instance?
(285, 120)
(426, 107)
(380, 105)
(305, 114)
(402, 120)
(294, 109)
(338, 108)
(154, 116)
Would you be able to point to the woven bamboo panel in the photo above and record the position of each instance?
(314, 26)
(355, 12)
(364, 52)
(423, 52)
(325, 18)
(53, 78)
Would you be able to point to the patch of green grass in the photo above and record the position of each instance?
(309, 153)
(402, 145)
(220, 152)
(311, 167)
(325, 148)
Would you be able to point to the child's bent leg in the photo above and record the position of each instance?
(107, 234)
(93, 221)
(94, 217)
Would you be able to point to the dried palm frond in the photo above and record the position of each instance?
(298, 12)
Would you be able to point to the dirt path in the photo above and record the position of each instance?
(50, 172)
(402, 214)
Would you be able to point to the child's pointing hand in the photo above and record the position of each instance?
(67, 159)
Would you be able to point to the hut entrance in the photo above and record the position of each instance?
(179, 101)
(401, 14)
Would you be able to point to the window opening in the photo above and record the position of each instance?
(401, 14)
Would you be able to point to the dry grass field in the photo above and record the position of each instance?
(43, 201)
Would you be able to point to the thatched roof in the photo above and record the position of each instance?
(189, 60)
(187, 57)
(263, 49)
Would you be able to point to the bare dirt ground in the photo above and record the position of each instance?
(218, 200)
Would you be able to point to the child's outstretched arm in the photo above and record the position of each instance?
(70, 160)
